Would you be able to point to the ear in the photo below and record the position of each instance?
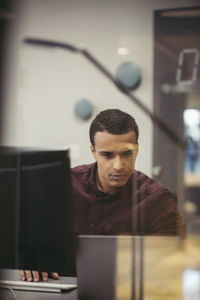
(93, 151)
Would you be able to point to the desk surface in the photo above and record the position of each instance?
(23, 295)
(45, 296)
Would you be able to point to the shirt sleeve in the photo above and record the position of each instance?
(163, 216)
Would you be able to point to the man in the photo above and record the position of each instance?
(110, 196)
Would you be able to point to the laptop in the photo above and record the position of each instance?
(10, 279)
(129, 267)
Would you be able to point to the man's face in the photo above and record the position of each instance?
(115, 155)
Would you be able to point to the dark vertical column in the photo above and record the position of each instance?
(7, 8)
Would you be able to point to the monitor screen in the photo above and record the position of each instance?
(36, 219)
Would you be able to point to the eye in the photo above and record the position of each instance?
(128, 153)
(107, 154)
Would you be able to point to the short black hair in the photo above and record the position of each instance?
(113, 121)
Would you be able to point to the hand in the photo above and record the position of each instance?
(35, 275)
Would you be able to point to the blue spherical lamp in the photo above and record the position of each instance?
(83, 109)
(129, 75)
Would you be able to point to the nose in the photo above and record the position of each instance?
(118, 163)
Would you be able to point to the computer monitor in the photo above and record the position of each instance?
(36, 217)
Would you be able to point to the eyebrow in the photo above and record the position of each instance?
(125, 151)
(105, 152)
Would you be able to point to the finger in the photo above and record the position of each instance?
(44, 276)
(54, 275)
(28, 275)
(36, 276)
(22, 275)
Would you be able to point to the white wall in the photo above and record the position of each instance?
(43, 85)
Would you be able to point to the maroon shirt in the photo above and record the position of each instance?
(142, 207)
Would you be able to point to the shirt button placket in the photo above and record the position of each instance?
(93, 217)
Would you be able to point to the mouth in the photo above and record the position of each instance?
(117, 177)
